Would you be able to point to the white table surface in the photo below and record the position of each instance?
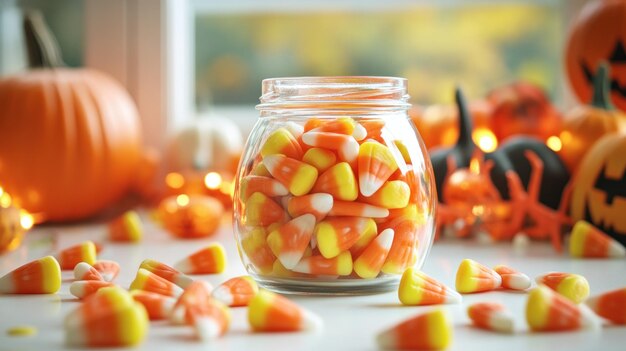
(350, 322)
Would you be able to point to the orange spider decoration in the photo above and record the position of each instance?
(472, 203)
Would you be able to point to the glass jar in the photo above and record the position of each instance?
(334, 192)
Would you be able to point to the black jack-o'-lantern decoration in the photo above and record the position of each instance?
(599, 187)
(598, 34)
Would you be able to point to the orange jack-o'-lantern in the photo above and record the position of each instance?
(599, 187)
(598, 34)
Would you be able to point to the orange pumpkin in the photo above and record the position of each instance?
(69, 138)
(585, 124)
(598, 34)
(599, 187)
(523, 108)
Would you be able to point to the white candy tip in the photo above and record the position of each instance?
(359, 132)
(322, 202)
(519, 282)
(184, 281)
(385, 238)
(311, 321)
(368, 186)
(502, 322)
(78, 289)
(207, 329)
(589, 319)
(290, 259)
(616, 250)
(453, 297)
(223, 295)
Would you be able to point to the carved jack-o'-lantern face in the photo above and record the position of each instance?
(599, 191)
(599, 34)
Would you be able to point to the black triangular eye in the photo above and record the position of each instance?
(619, 54)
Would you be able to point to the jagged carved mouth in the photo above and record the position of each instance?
(605, 206)
(617, 57)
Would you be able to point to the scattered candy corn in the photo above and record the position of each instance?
(316, 204)
(610, 305)
(393, 194)
(254, 245)
(588, 241)
(42, 276)
(261, 210)
(370, 262)
(549, 311)
(85, 271)
(490, 316)
(84, 288)
(339, 181)
(83, 252)
(211, 319)
(209, 260)
(166, 272)
(512, 279)
(266, 185)
(573, 286)
(109, 317)
(473, 277)
(107, 269)
(269, 312)
(376, 164)
(158, 306)
(282, 142)
(321, 159)
(237, 291)
(127, 227)
(417, 288)
(428, 331)
(319, 265)
(338, 234)
(197, 292)
(297, 176)
(148, 281)
(290, 241)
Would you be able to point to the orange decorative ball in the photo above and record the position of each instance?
(190, 216)
(70, 139)
(598, 34)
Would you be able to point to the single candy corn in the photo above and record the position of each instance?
(148, 281)
(166, 272)
(370, 262)
(512, 279)
(376, 164)
(357, 209)
(338, 234)
(428, 331)
(107, 269)
(260, 170)
(339, 181)
(260, 210)
(158, 306)
(588, 241)
(266, 185)
(198, 292)
(127, 227)
(402, 252)
(490, 316)
(254, 245)
(549, 311)
(347, 147)
(209, 260)
(339, 265)
(344, 125)
(473, 277)
(393, 194)
(297, 176)
(573, 286)
(83, 252)
(318, 204)
(84, 288)
(109, 317)
(404, 151)
(42, 276)
(269, 312)
(610, 305)
(85, 271)
(237, 291)
(282, 142)
(290, 241)
(321, 159)
(417, 288)
(211, 319)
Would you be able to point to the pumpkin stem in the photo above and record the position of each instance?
(465, 120)
(601, 89)
(43, 48)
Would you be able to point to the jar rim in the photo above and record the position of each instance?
(344, 92)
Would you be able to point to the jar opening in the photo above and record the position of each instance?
(388, 93)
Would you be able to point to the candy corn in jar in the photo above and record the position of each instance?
(335, 192)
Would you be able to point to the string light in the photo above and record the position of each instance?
(182, 200)
(554, 143)
(213, 180)
(485, 139)
(174, 180)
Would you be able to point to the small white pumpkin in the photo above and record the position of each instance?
(210, 143)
